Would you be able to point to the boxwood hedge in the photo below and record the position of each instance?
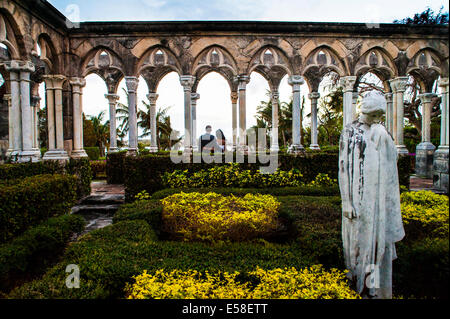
(34, 199)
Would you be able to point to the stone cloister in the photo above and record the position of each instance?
(305, 52)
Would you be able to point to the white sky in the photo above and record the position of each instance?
(214, 105)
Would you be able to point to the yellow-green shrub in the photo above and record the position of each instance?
(427, 209)
(287, 283)
(210, 216)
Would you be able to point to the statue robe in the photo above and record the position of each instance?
(368, 181)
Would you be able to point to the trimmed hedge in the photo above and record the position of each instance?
(81, 168)
(109, 257)
(98, 169)
(34, 250)
(276, 191)
(148, 210)
(93, 153)
(34, 199)
(144, 172)
(114, 167)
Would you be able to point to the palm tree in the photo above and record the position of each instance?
(101, 131)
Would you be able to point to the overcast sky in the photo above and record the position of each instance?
(214, 106)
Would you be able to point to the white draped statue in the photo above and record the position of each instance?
(371, 216)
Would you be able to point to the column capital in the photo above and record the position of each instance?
(35, 100)
(443, 83)
(195, 96)
(243, 81)
(296, 80)
(19, 66)
(54, 81)
(398, 84)
(77, 82)
(187, 81)
(132, 83)
(426, 97)
(152, 97)
(112, 98)
(234, 97)
(348, 83)
(275, 95)
(388, 96)
(313, 95)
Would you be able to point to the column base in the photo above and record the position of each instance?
(242, 148)
(33, 155)
(440, 169)
(78, 154)
(132, 152)
(296, 149)
(315, 147)
(56, 155)
(113, 150)
(274, 148)
(424, 159)
(153, 149)
(402, 150)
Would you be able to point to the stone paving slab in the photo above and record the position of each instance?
(102, 188)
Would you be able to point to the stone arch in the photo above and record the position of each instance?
(377, 61)
(105, 63)
(48, 54)
(272, 63)
(426, 66)
(320, 62)
(11, 37)
(156, 63)
(215, 59)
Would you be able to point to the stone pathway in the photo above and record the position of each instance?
(417, 183)
(98, 209)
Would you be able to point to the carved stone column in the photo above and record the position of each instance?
(389, 122)
(296, 81)
(187, 81)
(77, 88)
(348, 85)
(314, 96)
(398, 86)
(234, 100)
(132, 84)
(274, 147)
(425, 150)
(22, 111)
(112, 101)
(440, 163)
(152, 97)
(7, 99)
(242, 87)
(35, 106)
(194, 98)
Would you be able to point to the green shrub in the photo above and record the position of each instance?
(310, 283)
(98, 169)
(36, 249)
(425, 214)
(108, 259)
(93, 153)
(115, 167)
(81, 168)
(276, 191)
(422, 268)
(145, 172)
(148, 210)
(210, 216)
(34, 199)
(231, 175)
(78, 167)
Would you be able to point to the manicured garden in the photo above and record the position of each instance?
(212, 231)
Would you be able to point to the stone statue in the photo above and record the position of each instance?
(371, 216)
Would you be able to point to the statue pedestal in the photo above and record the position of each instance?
(424, 159)
(440, 169)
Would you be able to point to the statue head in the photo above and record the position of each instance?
(373, 107)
